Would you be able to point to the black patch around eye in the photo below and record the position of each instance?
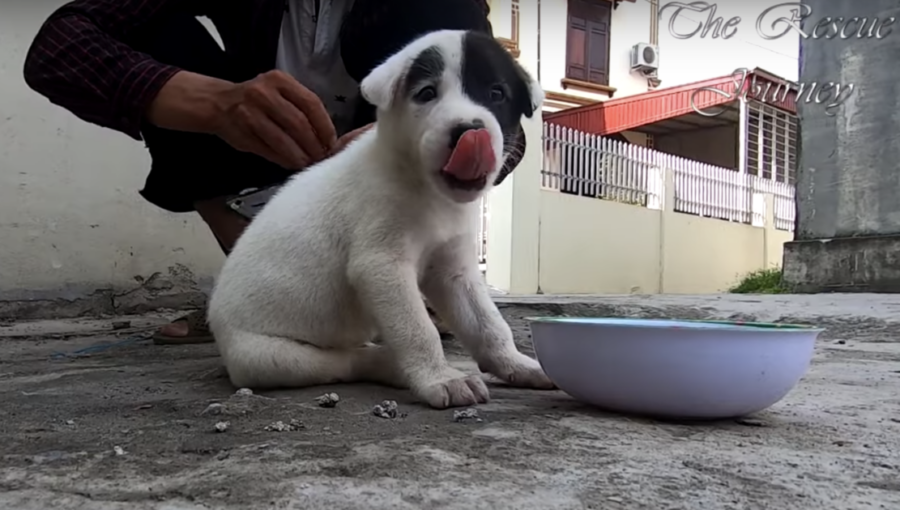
(426, 95)
(498, 94)
(428, 67)
(487, 68)
(491, 78)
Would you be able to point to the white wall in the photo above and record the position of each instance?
(687, 60)
(71, 219)
(682, 60)
(629, 24)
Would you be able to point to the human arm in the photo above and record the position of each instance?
(81, 60)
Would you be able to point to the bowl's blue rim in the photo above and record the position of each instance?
(721, 325)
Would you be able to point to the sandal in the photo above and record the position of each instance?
(198, 331)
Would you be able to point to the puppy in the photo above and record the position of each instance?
(343, 253)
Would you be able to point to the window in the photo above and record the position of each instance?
(587, 41)
(771, 143)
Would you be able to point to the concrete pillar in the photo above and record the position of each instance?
(666, 212)
(514, 230)
(771, 245)
(848, 187)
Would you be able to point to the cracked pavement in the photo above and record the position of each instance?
(101, 419)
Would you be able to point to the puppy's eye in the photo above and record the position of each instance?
(426, 95)
(498, 95)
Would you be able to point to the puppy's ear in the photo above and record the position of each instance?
(531, 94)
(420, 62)
(380, 87)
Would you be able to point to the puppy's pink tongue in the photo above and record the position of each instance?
(473, 157)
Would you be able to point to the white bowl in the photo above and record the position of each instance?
(671, 368)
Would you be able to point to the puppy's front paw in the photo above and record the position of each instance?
(520, 371)
(452, 388)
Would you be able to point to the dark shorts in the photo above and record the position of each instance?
(190, 167)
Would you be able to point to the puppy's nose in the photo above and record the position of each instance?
(461, 128)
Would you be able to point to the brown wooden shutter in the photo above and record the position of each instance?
(576, 51)
(598, 53)
(587, 55)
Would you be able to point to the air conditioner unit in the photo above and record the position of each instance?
(645, 59)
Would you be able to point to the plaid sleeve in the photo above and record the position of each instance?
(78, 60)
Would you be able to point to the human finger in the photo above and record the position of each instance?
(296, 125)
(282, 148)
(315, 111)
(345, 140)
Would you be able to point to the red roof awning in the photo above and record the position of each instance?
(622, 114)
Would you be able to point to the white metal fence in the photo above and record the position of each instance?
(592, 166)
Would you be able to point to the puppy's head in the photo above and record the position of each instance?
(453, 102)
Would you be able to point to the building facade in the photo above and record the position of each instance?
(639, 70)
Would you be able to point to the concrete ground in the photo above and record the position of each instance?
(93, 417)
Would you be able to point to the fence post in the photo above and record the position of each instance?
(656, 185)
(666, 211)
(513, 245)
(669, 190)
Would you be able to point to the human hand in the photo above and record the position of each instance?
(345, 140)
(275, 117)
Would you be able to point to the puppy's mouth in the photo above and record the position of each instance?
(471, 161)
(454, 183)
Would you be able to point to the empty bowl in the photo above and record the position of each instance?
(673, 368)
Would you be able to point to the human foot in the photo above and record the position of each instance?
(189, 329)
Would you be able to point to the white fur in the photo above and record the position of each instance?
(344, 252)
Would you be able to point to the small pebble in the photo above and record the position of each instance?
(387, 410)
(70, 422)
(214, 409)
(750, 422)
(118, 450)
(328, 400)
(615, 499)
(280, 426)
(222, 426)
(462, 415)
(244, 392)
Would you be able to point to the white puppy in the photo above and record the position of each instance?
(343, 253)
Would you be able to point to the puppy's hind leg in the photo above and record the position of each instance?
(261, 361)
